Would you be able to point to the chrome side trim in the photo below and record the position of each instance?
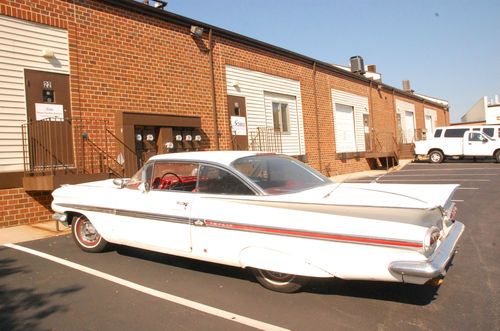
(436, 264)
(130, 213)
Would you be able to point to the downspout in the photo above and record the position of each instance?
(212, 81)
(317, 117)
(371, 125)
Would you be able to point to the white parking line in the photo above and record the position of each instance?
(468, 188)
(449, 169)
(435, 180)
(162, 295)
(427, 175)
(457, 200)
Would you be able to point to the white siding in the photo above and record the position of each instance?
(21, 45)
(360, 106)
(407, 112)
(260, 90)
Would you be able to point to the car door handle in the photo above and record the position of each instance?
(183, 203)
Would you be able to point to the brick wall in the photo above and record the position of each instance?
(18, 207)
(122, 61)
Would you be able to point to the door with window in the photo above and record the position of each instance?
(50, 139)
(165, 192)
(238, 114)
(477, 144)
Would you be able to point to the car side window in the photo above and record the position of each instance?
(437, 134)
(215, 180)
(455, 133)
(175, 176)
(475, 136)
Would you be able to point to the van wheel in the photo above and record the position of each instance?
(436, 157)
(86, 236)
(279, 282)
(497, 156)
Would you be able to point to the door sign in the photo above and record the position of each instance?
(45, 111)
(239, 125)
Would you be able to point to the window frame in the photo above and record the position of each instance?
(280, 116)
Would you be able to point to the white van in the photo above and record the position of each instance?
(461, 141)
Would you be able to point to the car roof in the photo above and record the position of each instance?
(222, 157)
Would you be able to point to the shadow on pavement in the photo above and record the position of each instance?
(23, 307)
(386, 291)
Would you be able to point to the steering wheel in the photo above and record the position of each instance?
(179, 180)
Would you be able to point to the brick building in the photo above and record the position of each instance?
(90, 89)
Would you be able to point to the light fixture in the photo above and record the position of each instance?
(48, 53)
(178, 137)
(161, 4)
(235, 83)
(169, 145)
(196, 31)
(188, 138)
(197, 138)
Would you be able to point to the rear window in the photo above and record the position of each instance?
(489, 131)
(437, 134)
(455, 133)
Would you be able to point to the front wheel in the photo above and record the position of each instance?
(436, 157)
(86, 236)
(279, 282)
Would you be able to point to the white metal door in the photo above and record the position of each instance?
(428, 126)
(409, 127)
(344, 128)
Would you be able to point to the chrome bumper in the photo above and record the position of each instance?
(436, 264)
(61, 218)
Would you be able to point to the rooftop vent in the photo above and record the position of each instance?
(161, 4)
(406, 86)
(357, 64)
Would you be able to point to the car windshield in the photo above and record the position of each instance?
(276, 174)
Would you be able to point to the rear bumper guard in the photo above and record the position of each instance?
(436, 265)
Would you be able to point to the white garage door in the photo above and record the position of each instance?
(344, 128)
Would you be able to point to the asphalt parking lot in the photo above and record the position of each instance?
(54, 285)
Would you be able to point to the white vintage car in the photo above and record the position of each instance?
(271, 214)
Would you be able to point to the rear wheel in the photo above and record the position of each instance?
(86, 236)
(280, 282)
(497, 156)
(436, 157)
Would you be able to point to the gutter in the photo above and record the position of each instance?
(142, 8)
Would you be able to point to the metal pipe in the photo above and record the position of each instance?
(212, 81)
(316, 112)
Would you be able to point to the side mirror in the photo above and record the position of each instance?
(120, 182)
(485, 140)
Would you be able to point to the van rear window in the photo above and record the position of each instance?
(455, 133)
(489, 131)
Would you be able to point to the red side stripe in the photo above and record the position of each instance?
(306, 234)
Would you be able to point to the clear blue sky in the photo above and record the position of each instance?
(449, 49)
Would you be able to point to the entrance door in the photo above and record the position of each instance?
(409, 127)
(428, 126)
(366, 129)
(344, 128)
(238, 113)
(50, 140)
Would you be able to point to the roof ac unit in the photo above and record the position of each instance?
(357, 64)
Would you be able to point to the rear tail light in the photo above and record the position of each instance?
(431, 237)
